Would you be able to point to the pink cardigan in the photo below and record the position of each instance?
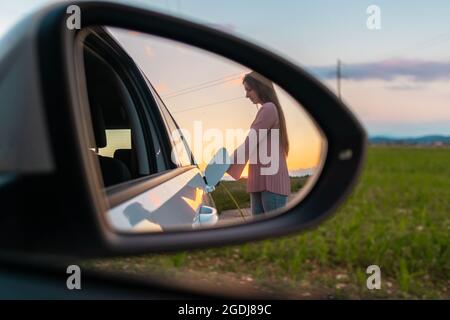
(279, 182)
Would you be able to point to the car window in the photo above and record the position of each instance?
(116, 140)
(158, 151)
(181, 151)
(181, 154)
(126, 144)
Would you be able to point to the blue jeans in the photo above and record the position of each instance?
(262, 202)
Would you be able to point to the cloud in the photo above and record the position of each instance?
(404, 87)
(237, 80)
(388, 70)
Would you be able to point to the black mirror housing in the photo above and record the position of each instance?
(54, 202)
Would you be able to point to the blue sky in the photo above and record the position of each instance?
(396, 78)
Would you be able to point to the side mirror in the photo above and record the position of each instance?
(83, 198)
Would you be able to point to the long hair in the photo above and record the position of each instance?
(266, 93)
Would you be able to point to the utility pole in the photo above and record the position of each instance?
(338, 78)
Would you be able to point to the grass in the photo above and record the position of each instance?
(238, 190)
(398, 218)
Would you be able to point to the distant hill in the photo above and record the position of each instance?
(431, 140)
(302, 172)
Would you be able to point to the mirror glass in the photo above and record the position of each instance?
(187, 139)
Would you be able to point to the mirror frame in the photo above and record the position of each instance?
(81, 228)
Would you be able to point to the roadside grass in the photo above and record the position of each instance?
(398, 218)
(239, 191)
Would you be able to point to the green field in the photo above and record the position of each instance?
(398, 217)
(238, 189)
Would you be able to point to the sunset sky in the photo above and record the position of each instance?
(185, 78)
(396, 79)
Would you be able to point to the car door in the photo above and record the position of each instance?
(173, 193)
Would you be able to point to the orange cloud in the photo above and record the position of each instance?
(161, 87)
(236, 81)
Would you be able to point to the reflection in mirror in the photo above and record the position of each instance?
(201, 140)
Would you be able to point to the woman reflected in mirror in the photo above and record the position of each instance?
(265, 149)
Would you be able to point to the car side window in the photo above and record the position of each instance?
(181, 151)
(123, 150)
(181, 155)
(159, 156)
(116, 139)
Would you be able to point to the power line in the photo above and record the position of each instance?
(220, 80)
(424, 44)
(202, 85)
(208, 105)
(198, 89)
